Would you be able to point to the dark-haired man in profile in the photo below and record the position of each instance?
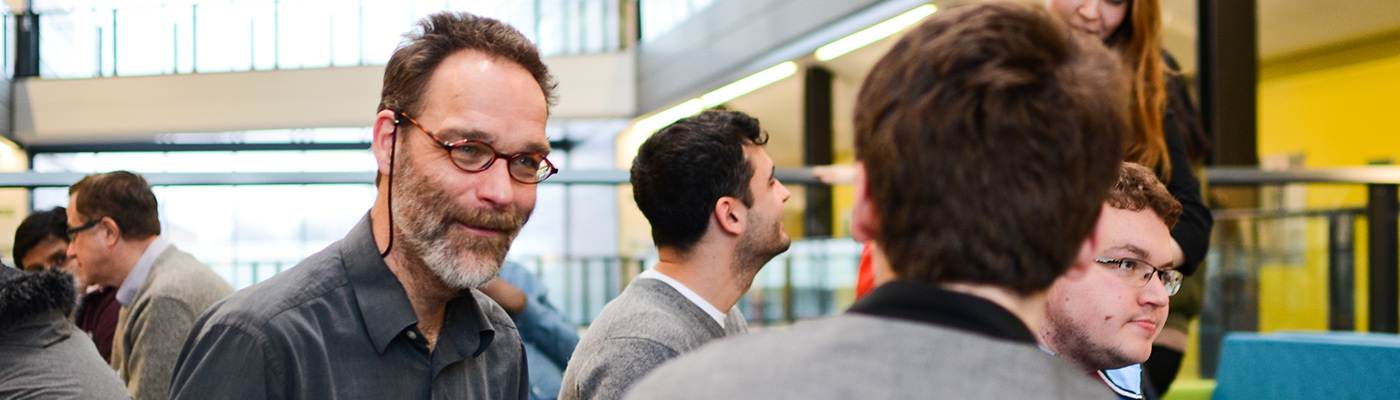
(986, 140)
(715, 208)
(392, 311)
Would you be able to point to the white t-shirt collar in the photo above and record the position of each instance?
(685, 291)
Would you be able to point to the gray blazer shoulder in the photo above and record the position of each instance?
(179, 275)
(856, 356)
(177, 290)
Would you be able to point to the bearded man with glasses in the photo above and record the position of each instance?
(392, 311)
(1103, 315)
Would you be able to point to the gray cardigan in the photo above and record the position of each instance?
(152, 328)
(854, 356)
(649, 323)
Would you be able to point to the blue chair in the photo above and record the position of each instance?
(1326, 365)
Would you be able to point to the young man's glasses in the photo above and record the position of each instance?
(477, 156)
(1138, 272)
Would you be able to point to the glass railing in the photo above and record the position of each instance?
(256, 35)
(1317, 253)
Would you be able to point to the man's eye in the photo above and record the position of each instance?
(532, 163)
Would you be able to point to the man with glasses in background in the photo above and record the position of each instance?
(114, 233)
(1103, 315)
(392, 311)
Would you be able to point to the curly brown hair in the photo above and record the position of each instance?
(1138, 189)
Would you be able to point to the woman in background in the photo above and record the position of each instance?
(1167, 137)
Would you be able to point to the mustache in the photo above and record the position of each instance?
(509, 220)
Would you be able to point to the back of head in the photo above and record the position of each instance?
(990, 135)
(1139, 189)
(443, 34)
(682, 170)
(39, 226)
(24, 295)
(121, 195)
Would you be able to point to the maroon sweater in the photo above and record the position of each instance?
(97, 315)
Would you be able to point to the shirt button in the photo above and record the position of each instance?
(412, 335)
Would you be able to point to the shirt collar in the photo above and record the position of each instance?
(685, 291)
(1126, 382)
(921, 302)
(137, 277)
(385, 307)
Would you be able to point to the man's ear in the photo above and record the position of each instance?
(1085, 259)
(865, 222)
(731, 215)
(112, 233)
(383, 141)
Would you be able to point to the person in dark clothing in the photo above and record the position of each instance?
(44, 357)
(41, 244)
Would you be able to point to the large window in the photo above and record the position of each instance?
(86, 38)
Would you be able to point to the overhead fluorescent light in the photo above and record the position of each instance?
(661, 119)
(748, 84)
(870, 35)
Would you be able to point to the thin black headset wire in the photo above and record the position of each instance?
(392, 147)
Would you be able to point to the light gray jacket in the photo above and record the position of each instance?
(649, 323)
(152, 329)
(853, 356)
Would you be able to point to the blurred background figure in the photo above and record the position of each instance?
(44, 357)
(549, 337)
(41, 244)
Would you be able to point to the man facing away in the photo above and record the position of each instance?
(1104, 312)
(41, 243)
(44, 355)
(715, 208)
(114, 233)
(391, 310)
(986, 140)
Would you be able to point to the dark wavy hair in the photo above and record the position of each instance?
(682, 170)
(39, 226)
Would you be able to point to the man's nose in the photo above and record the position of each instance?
(1155, 293)
(494, 185)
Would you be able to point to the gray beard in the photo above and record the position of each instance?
(424, 216)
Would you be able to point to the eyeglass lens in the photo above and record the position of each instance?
(478, 156)
(1140, 273)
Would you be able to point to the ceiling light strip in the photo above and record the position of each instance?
(872, 34)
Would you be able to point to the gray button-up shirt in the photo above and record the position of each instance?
(339, 326)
